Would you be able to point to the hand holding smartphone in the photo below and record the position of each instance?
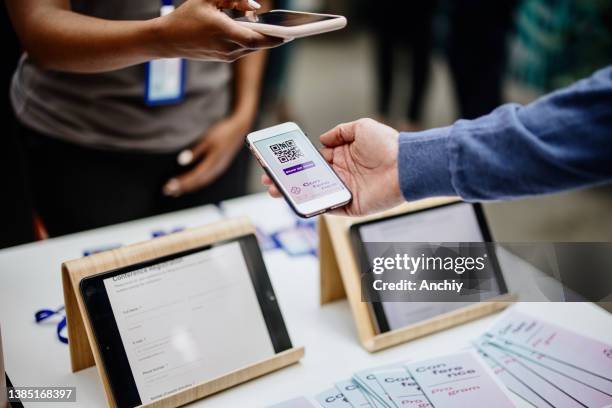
(302, 175)
(292, 24)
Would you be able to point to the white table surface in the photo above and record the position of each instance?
(30, 280)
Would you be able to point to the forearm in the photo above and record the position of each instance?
(560, 142)
(57, 38)
(248, 73)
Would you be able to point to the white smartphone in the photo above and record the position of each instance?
(292, 24)
(302, 175)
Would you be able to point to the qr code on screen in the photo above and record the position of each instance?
(286, 151)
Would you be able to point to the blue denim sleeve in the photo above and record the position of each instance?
(559, 142)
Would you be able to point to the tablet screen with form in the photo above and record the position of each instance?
(186, 320)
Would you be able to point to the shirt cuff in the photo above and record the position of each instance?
(423, 162)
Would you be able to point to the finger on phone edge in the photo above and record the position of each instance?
(266, 180)
(273, 191)
(328, 154)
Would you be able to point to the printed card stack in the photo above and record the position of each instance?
(545, 365)
(460, 379)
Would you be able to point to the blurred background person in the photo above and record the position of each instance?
(477, 46)
(407, 29)
(97, 152)
(477, 52)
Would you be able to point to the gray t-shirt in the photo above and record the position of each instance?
(107, 110)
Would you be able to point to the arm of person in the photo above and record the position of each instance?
(248, 74)
(559, 142)
(223, 140)
(58, 38)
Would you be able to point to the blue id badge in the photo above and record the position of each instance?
(165, 78)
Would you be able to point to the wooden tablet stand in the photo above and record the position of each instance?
(340, 278)
(83, 349)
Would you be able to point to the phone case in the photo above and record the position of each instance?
(303, 30)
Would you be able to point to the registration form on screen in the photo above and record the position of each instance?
(299, 168)
(186, 321)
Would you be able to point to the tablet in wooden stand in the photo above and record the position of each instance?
(179, 317)
(341, 262)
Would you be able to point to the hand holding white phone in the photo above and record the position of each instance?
(301, 174)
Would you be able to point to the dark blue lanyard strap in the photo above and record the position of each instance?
(45, 314)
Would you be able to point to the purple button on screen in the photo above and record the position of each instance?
(298, 167)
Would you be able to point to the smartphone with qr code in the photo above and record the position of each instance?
(302, 175)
